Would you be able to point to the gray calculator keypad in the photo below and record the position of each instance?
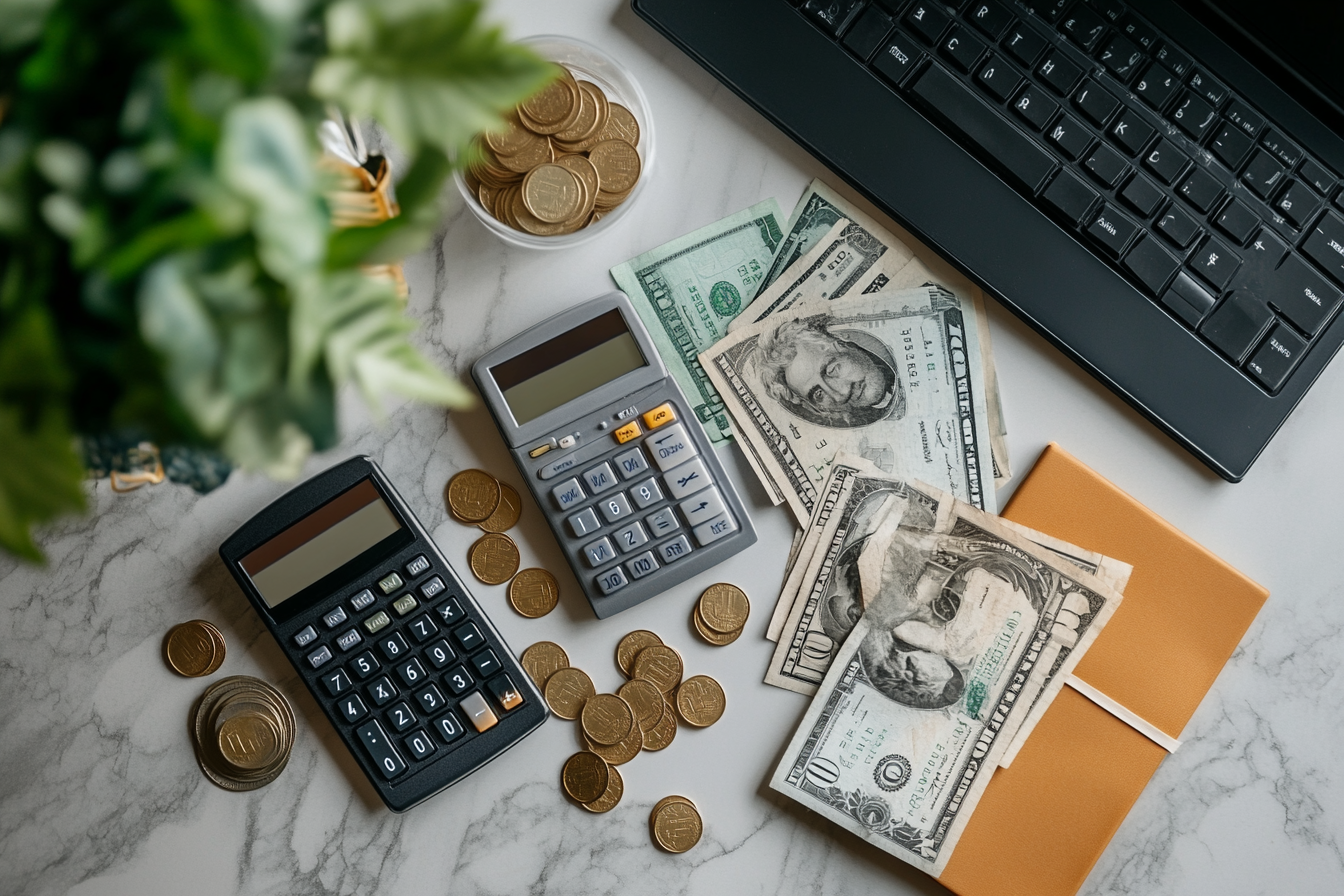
(647, 503)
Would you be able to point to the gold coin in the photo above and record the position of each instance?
(660, 736)
(510, 138)
(472, 496)
(220, 650)
(713, 637)
(542, 660)
(507, 512)
(611, 796)
(621, 125)
(676, 825)
(487, 194)
(617, 164)
(537, 151)
(190, 648)
(606, 719)
(584, 776)
(553, 103)
(521, 219)
(618, 753)
(551, 193)
(248, 741)
(630, 646)
(646, 700)
(567, 690)
(230, 698)
(493, 558)
(724, 607)
(534, 593)
(659, 665)
(663, 802)
(700, 701)
(585, 123)
(583, 169)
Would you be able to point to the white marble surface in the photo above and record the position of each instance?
(99, 793)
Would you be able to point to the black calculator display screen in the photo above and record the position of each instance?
(561, 369)
(321, 542)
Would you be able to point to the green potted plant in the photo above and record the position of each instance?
(168, 265)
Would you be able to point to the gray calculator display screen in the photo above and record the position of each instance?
(320, 543)
(572, 364)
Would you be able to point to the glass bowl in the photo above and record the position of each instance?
(590, 64)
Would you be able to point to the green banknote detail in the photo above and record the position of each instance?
(688, 290)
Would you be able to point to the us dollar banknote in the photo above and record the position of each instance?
(907, 727)
(906, 263)
(895, 378)
(688, 291)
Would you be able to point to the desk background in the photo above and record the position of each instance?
(100, 794)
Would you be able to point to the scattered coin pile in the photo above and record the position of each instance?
(642, 715)
(566, 157)
(721, 613)
(478, 499)
(243, 731)
(194, 649)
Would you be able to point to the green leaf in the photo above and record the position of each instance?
(40, 478)
(429, 71)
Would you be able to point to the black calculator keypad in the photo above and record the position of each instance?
(419, 745)
(469, 636)
(352, 708)
(440, 654)
(432, 588)
(431, 700)
(458, 680)
(365, 665)
(486, 663)
(349, 640)
(411, 673)
(382, 691)
(448, 728)
(401, 717)
(393, 646)
(379, 747)
(451, 613)
(422, 628)
(336, 682)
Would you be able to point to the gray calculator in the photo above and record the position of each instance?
(608, 445)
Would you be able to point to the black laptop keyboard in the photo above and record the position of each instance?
(1190, 192)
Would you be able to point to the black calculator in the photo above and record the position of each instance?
(612, 452)
(403, 661)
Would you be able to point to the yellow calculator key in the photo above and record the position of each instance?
(627, 432)
(659, 415)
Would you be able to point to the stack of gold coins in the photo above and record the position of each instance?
(565, 157)
(243, 731)
(476, 498)
(194, 649)
(721, 614)
(615, 728)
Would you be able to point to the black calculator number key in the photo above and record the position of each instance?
(422, 628)
(380, 749)
(382, 691)
(411, 673)
(451, 612)
(486, 663)
(401, 717)
(469, 636)
(393, 646)
(431, 700)
(439, 654)
(458, 680)
(352, 708)
(365, 665)
(336, 682)
(448, 728)
(419, 745)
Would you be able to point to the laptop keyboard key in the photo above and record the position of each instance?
(1138, 32)
(1072, 197)
(1035, 106)
(999, 78)
(1188, 300)
(1303, 295)
(1106, 165)
(1325, 246)
(1096, 104)
(1112, 230)
(989, 17)
(1083, 26)
(1231, 145)
(1276, 358)
(1174, 59)
(1156, 86)
(1120, 57)
(898, 59)
(1318, 176)
(927, 21)
(1152, 264)
(1244, 117)
(1214, 262)
(1193, 116)
(1024, 45)
(1131, 132)
(1142, 195)
(962, 49)
(1059, 73)
(1207, 88)
(868, 32)
(1070, 136)
(1111, 10)
(1237, 325)
(831, 15)
(1177, 226)
(1263, 174)
(1166, 161)
(1283, 150)
(1200, 189)
(1297, 203)
(1237, 221)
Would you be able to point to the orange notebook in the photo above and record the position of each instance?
(1044, 821)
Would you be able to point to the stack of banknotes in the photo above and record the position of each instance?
(856, 372)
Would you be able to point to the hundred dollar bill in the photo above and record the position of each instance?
(906, 730)
(688, 290)
(895, 378)
(819, 209)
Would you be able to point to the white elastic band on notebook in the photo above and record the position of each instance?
(1124, 714)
